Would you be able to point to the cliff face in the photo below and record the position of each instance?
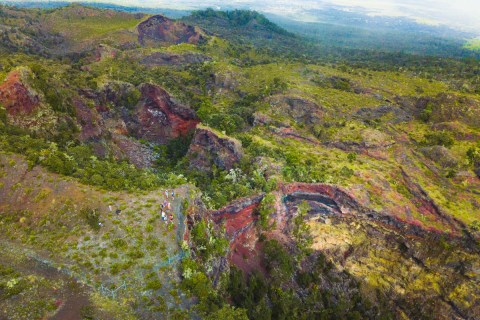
(161, 29)
(25, 106)
(158, 119)
(89, 120)
(209, 148)
(382, 252)
(239, 220)
(16, 96)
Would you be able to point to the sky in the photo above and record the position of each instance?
(459, 14)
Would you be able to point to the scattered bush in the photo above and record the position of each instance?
(439, 138)
(92, 217)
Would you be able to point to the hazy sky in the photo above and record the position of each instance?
(463, 14)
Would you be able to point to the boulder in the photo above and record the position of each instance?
(161, 29)
(159, 119)
(210, 148)
(89, 120)
(440, 155)
(25, 106)
(16, 96)
(301, 109)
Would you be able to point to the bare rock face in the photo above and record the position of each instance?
(301, 109)
(158, 119)
(440, 155)
(25, 106)
(239, 219)
(209, 148)
(136, 153)
(16, 96)
(104, 51)
(89, 121)
(161, 29)
(326, 202)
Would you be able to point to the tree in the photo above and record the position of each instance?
(227, 312)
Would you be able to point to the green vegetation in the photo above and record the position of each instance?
(392, 135)
(237, 19)
(82, 22)
(80, 162)
(266, 208)
(473, 44)
(439, 138)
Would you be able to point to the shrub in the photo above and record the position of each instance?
(279, 262)
(153, 284)
(92, 216)
(346, 172)
(266, 208)
(426, 113)
(352, 156)
(228, 312)
(473, 155)
(439, 138)
(301, 230)
(119, 243)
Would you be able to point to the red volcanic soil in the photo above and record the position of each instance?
(161, 119)
(16, 97)
(239, 220)
(245, 246)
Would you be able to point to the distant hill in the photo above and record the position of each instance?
(220, 166)
(390, 34)
(171, 13)
(243, 23)
(335, 28)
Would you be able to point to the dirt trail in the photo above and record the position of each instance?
(70, 297)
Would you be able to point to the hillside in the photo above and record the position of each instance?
(309, 181)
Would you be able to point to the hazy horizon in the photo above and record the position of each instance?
(461, 15)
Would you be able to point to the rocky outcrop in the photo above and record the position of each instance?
(124, 113)
(169, 58)
(451, 107)
(239, 220)
(301, 109)
(16, 96)
(394, 114)
(120, 94)
(326, 202)
(25, 106)
(369, 141)
(138, 154)
(159, 29)
(89, 121)
(104, 51)
(443, 108)
(440, 155)
(417, 265)
(158, 118)
(209, 148)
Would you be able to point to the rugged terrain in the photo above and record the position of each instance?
(306, 188)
